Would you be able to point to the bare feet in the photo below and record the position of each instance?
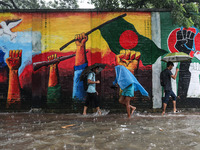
(99, 112)
(175, 111)
(163, 113)
(133, 109)
(84, 113)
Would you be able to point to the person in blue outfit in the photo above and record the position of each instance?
(91, 92)
(128, 83)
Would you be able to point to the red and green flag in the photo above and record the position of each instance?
(121, 35)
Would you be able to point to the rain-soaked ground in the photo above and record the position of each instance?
(144, 131)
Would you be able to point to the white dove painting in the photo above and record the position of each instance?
(6, 27)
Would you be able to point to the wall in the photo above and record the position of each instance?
(136, 41)
(179, 39)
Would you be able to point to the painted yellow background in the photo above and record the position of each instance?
(60, 27)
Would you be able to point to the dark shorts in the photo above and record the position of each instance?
(92, 100)
(169, 93)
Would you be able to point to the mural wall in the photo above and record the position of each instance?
(29, 42)
(179, 39)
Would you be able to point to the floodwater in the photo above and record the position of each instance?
(144, 131)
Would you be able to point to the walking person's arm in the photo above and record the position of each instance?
(174, 76)
(93, 82)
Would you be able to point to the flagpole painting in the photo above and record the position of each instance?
(126, 37)
(89, 32)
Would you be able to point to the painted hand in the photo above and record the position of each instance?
(52, 57)
(53, 74)
(129, 59)
(193, 90)
(185, 41)
(14, 59)
(81, 39)
(14, 62)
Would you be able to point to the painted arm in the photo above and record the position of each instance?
(14, 62)
(53, 72)
(81, 58)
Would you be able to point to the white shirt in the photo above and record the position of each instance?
(91, 87)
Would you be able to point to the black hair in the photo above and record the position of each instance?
(169, 63)
(97, 67)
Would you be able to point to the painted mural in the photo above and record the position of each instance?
(179, 39)
(37, 71)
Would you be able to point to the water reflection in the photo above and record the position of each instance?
(110, 131)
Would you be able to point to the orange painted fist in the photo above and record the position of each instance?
(53, 76)
(52, 57)
(81, 39)
(129, 59)
(14, 59)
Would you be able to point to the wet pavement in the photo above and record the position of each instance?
(144, 131)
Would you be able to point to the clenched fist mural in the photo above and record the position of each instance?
(187, 41)
(14, 62)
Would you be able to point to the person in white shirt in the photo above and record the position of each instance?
(91, 92)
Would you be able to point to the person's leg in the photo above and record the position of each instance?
(133, 109)
(167, 94)
(174, 105)
(86, 104)
(121, 100)
(127, 103)
(85, 110)
(98, 110)
(164, 108)
(96, 103)
(174, 101)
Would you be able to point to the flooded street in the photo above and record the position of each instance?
(144, 131)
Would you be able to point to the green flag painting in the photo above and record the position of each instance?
(54, 94)
(121, 34)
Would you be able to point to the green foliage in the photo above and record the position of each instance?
(105, 4)
(38, 4)
(184, 12)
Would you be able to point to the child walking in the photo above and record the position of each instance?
(128, 83)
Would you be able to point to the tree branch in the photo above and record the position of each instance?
(137, 4)
(14, 4)
(4, 4)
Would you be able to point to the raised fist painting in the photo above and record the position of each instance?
(14, 62)
(129, 59)
(14, 59)
(184, 40)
